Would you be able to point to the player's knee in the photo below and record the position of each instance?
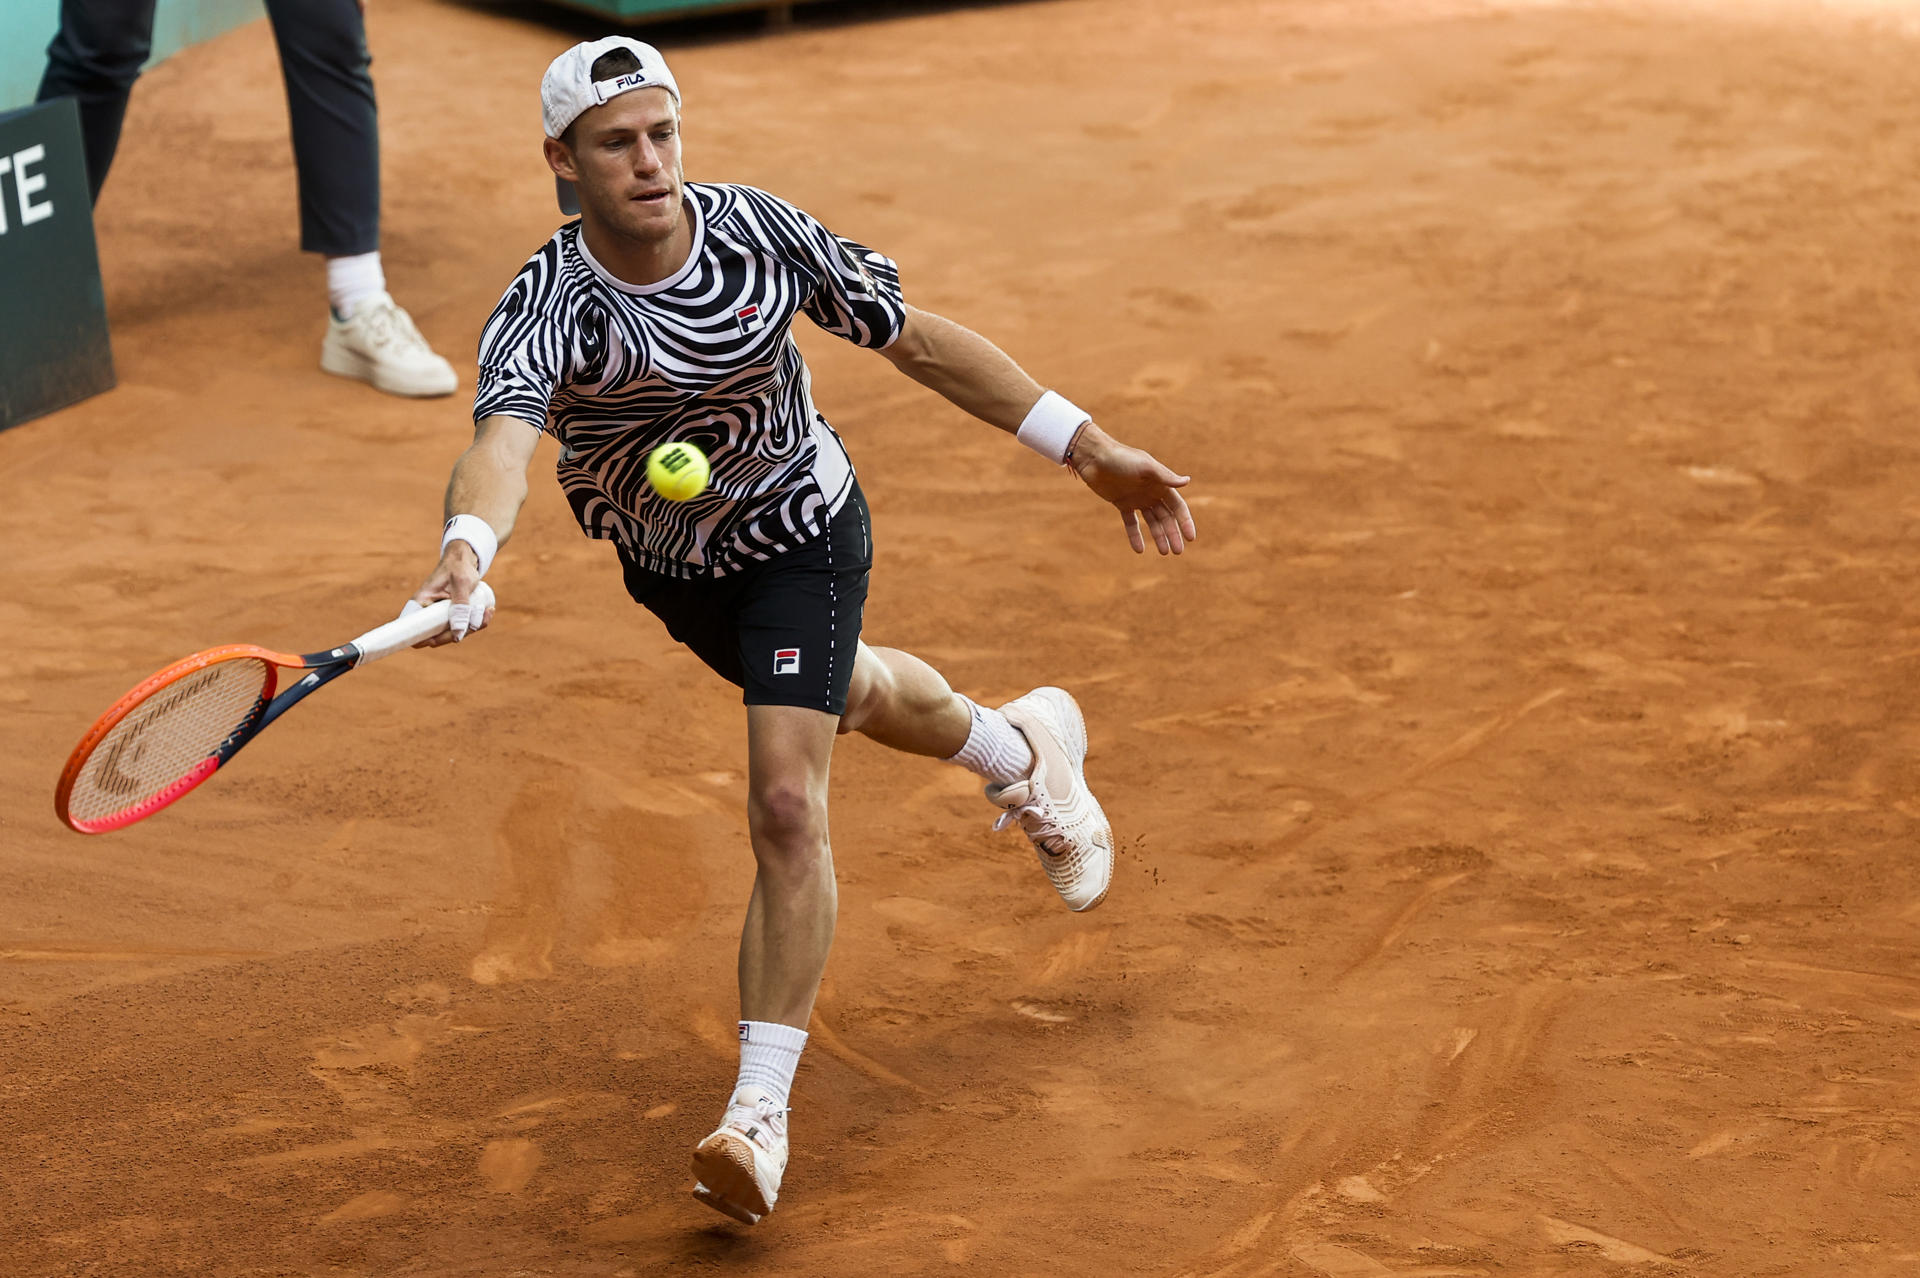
(789, 825)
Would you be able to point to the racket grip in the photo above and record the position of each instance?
(410, 628)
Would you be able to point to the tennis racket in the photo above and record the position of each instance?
(181, 726)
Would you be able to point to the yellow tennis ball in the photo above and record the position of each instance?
(678, 471)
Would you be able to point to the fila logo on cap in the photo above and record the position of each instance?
(608, 90)
(748, 318)
(786, 661)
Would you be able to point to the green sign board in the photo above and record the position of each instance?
(53, 315)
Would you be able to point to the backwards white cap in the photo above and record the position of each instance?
(569, 90)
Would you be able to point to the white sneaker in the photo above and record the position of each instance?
(737, 1170)
(379, 344)
(1053, 805)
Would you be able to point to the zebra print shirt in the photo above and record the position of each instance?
(612, 370)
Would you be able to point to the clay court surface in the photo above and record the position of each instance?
(1517, 786)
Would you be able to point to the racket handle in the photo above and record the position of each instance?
(410, 628)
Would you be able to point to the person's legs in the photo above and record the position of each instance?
(905, 704)
(783, 950)
(335, 123)
(789, 928)
(94, 59)
(336, 149)
(1031, 752)
(784, 630)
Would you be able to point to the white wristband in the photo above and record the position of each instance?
(476, 532)
(1051, 425)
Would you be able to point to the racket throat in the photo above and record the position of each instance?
(323, 668)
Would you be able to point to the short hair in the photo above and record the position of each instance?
(613, 62)
(608, 65)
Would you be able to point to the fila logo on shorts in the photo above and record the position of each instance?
(748, 318)
(786, 661)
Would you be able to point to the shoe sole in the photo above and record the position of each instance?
(347, 364)
(724, 1180)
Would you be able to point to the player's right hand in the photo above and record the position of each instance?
(454, 578)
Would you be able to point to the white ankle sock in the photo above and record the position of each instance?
(352, 280)
(995, 749)
(769, 1053)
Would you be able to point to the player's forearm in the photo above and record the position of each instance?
(966, 369)
(490, 484)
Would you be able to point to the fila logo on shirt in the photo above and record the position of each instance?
(748, 318)
(786, 661)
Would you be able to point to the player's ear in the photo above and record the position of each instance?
(560, 159)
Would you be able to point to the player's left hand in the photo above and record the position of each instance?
(1135, 482)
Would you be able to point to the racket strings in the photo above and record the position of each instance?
(166, 736)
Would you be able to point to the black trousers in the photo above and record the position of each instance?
(102, 45)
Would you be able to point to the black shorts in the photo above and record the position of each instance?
(785, 630)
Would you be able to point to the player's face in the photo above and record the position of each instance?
(626, 154)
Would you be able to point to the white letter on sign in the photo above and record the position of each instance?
(25, 186)
(5, 164)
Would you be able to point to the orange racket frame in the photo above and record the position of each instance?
(318, 669)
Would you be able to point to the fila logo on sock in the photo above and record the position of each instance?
(748, 318)
(786, 661)
(743, 1031)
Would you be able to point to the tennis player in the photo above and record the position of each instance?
(664, 313)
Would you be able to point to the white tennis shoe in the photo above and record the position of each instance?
(379, 344)
(737, 1170)
(1053, 804)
